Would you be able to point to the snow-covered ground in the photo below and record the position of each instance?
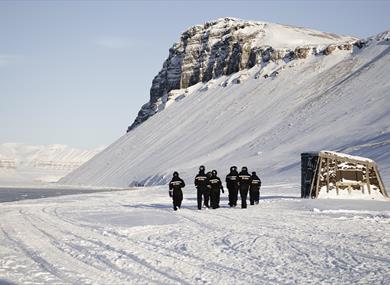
(134, 237)
(24, 164)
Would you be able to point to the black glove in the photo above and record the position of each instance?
(222, 190)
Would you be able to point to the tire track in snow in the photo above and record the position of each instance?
(339, 261)
(206, 265)
(106, 246)
(214, 249)
(167, 252)
(85, 252)
(216, 267)
(41, 262)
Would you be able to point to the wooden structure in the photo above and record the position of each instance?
(335, 172)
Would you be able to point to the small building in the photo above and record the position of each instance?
(328, 174)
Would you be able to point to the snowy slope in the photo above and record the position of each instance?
(23, 163)
(134, 237)
(263, 118)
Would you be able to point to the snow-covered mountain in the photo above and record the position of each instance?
(23, 163)
(228, 45)
(254, 94)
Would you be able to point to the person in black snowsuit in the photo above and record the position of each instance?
(201, 187)
(254, 191)
(244, 182)
(215, 187)
(207, 191)
(232, 186)
(175, 190)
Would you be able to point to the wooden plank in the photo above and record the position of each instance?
(327, 175)
(364, 180)
(314, 178)
(318, 176)
(349, 183)
(336, 163)
(368, 179)
(381, 185)
(342, 158)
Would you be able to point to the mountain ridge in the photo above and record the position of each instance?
(228, 45)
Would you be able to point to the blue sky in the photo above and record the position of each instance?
(77, 72)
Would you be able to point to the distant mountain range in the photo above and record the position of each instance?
(39, 163)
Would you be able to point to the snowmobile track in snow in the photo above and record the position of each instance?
(118, 238)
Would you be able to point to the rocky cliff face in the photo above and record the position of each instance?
(228, 45)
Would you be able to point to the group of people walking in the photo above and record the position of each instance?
(209, 187)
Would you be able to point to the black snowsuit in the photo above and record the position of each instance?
(232, 186)
(202, 190)
(207, 192)
(254, 192)
(177, 194)
(244, 182)
(215, 191)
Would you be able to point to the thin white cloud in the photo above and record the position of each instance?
(115, 42)
(8, 59)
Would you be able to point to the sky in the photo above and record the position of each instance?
(77, 72)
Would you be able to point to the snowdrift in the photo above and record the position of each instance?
(263, 118)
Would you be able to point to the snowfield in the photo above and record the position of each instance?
(134, 237)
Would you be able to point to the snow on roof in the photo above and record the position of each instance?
(344, 155)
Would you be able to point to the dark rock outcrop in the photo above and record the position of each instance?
(329, 49)
(301, 52)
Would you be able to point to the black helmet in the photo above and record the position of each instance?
(253, 173)
(244, 168)
(175, 174)
(202, 168)
(233, 168)
(208, 173)
(214, 172)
